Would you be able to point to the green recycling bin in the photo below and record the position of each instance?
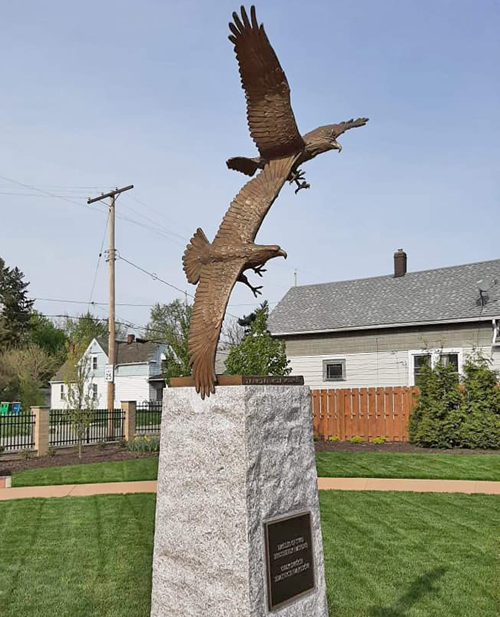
(4, 408)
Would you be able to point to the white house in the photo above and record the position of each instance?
(379, 331)
(138, 372)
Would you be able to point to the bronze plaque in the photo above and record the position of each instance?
(242, 380)
(290, 560)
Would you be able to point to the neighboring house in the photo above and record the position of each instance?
(380, 331)
(138, 372)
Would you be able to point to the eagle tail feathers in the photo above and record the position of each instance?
(243, 164)
(192, 256)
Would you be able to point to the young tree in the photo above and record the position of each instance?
(169, 323)
(79, 397)
(259, 353)
(32, 367)
(15, 307)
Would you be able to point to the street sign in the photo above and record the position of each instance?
(109, 372)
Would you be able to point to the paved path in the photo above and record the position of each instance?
(416, 486)
(78, 490)
(338, 484)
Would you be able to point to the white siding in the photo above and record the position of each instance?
(56, 402)
(365, 370)
(131, 389)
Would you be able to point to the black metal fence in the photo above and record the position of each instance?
(98, 426)
(17, 432)
(148, 417)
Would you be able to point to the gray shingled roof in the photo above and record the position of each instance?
(126, 353)
(444, 294)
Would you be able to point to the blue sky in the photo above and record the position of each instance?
(104, 94)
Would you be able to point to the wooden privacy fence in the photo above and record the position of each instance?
(363, 412)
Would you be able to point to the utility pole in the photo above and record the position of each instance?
(110, 369)
(295, 277)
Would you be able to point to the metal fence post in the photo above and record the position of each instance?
(42, 415)
(128, 408)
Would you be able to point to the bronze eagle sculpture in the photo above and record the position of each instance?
(269, 111)
(216, 267)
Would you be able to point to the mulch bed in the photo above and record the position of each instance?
(69, 456)
(390, 446)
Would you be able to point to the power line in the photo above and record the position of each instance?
(161, 214)
(155, 222)
(34, 188)
(155, 277)
(93, 303)
(98, 260)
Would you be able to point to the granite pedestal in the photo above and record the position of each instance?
(228, 466)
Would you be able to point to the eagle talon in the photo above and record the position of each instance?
(259, 270)
(302, 185)
(297, 176)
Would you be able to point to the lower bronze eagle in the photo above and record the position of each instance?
(269, 110)
(218, 265)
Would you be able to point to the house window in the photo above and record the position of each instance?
(419, 360)
(450, 359)
(95, 392)
(62, 392)
(334, 370)
(94, 363)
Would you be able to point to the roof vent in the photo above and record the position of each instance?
(130, 338)
(400, 263)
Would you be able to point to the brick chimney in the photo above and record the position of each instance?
(130, 338)
(400, 263)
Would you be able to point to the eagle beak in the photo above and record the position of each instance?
(337, 146)
(282, 253)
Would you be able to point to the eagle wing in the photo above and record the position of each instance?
(217, 279)
(269, 112)
(342, 127)
(248, 209)
(212, 295)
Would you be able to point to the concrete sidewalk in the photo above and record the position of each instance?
(337, 484)
(414, 486)
(78, 490)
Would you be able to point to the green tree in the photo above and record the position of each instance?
(30, 367)
(15, 307)
(259, 353)
(169, 323)
(48, 336)
(85, 327)
(448, 414)
(431, 423)
(79, 397)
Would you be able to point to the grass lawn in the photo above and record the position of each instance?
(396, 465)
(120, 471)
(386, 554)
(88, 557)
(329, 464)
(411, 554)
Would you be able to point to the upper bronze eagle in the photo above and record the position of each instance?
(269, 112)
